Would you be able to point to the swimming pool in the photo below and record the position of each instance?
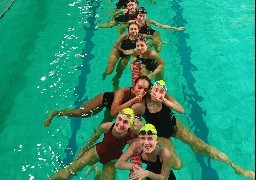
(52, 57)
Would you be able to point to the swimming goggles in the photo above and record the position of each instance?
(149, 132)
(160, 85)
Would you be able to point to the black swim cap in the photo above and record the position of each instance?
(142, 10)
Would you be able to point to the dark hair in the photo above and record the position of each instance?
(132, 1)
(133, 23)
(143, 78)
(141, 10)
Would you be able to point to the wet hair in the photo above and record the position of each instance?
(143, 78)
(141, 38)
(132, 1)
(133, 24)
(141, 10)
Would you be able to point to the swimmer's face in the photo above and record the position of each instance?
(122, 123)
(141, 47)
(141, 18)
(157, 93)
(141, 87)
(148, 143)
(133, 30)
(131, 6)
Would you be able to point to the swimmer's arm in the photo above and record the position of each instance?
(117, 105)
(103, 128)
(138, 109)
(118, 11)
(118, 42)
(122, 163)
(172, 103)
(166, 163)
(160, 61)
(165, 26)
(148, 36)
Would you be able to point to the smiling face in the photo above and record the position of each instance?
(141, 87)
(141, 18)
(141, 47)
(133, 30)
(148, 143)
(131, 6)
(157, 93)
(122, 123)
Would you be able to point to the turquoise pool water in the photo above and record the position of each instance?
(52, 57)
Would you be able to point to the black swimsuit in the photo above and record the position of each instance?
(125, 17)
(164, 120)
(146, 30)
(108, 98)
(151, 64)
(156, 167)
(127, 44)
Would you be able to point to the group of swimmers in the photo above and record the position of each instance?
(149, 143)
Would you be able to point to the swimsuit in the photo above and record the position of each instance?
(151, 64)
(111, 147)
(156, 167)
(164, 120)
(146, 30)
(125, 17)
(127, 44)
(108, 98)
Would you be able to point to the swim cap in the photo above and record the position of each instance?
(142, 10)
(148, 129)
(161, 83)
(129, 113)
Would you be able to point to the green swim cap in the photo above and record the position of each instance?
(148, 129)
(129, 113)
(161, 83)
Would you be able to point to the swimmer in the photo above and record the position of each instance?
(123, 48)
(151, 64)
(122, 16)
(157, 158)
(157, 105)
(144, 24)
(121, 4)
(113, 102)
(116, 136)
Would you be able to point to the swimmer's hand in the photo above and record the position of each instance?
(128, 52)
(159, 98)
(137, 99)
(48, 121)
(101, 25)
(138, 173)
(179, 28)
